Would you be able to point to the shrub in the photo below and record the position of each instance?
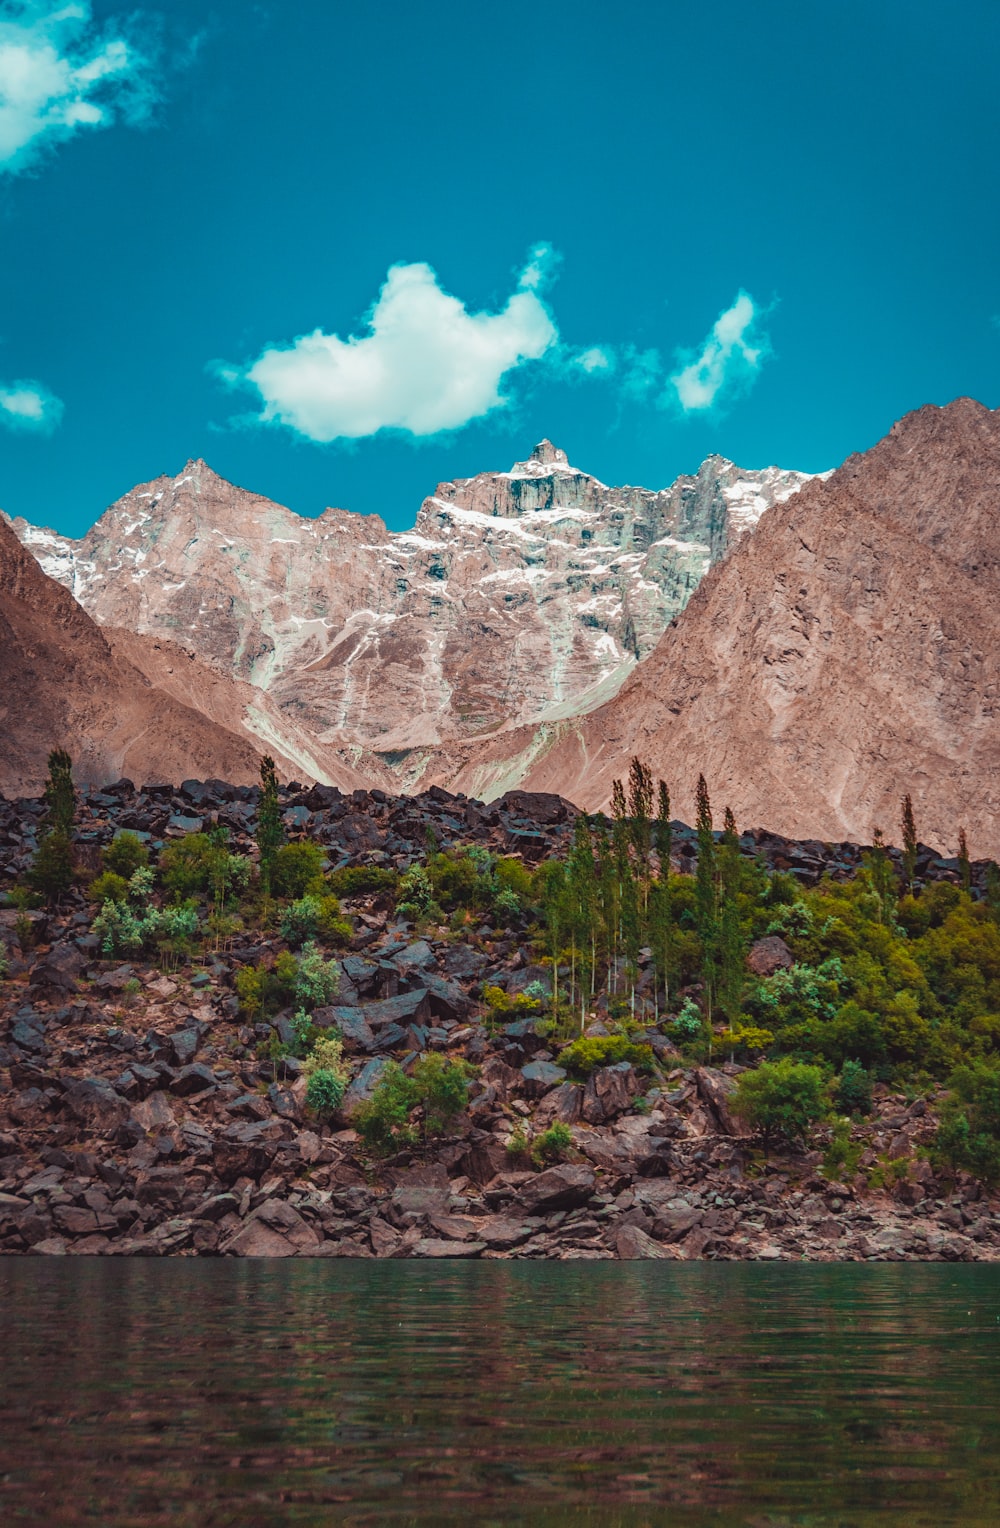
(118, 929)
(442, 1091)
(383, 1122)
(781, 1098)
(969, 1133)
(4, 965)
(357, 880)
(326, 1075)
(108, 887)
(330, 926)
(251, 986)
(325, 1092)
(125, 855)
(51, 870)
(842, 1155)
(854, 1089)
(507, 907)
(585, 1055)
(436, 1086)
(688, 1024)
(297, 868)
(316, 979)
(185, 866)
(300, 919)
(416, 894)
(552, 1145)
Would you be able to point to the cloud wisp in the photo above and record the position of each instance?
(426, 364)
(727, 364)
(29, 406)
(60, 74)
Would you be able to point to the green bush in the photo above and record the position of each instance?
(316, 979)
(108, 887)
(688, 1024)
(436, 1088)
(359, 880)
(969, 1133)
(326, 1073)
(842, 1155)
(125, 855)
(297, 869)
(325, 1092)
(185, 866)
(781, 1099)
(300, 919)
(51, 870)
(552, 1145)
(416, 893)
(854, 1089)
(585, 1055)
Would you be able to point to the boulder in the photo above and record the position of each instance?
(540, 1077)
(60, 968)
(565, 1187)
(609, 1092)
(94, 1103)
(714, 1090)
(769, 955)
(632, 1242)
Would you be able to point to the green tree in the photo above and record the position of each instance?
(706, 897)
(909, 844)
(59, 794)
(969, 1133)
(270, 833)
(781, 1099)
(731, 952)
(964, 863)
(640, 809)
(663, 831)
(52, 867)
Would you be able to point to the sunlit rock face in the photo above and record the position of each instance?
(516, 595)
(845, 654)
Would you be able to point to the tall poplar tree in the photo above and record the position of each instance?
(731, 954)
(705, 896)
(964, 863)
(909, 844)
(663, 832)
(270, 833)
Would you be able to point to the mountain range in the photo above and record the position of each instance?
(815, 646)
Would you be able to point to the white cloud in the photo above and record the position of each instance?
(730, 359)
(426, 363)
(29, 406)
(59, 74)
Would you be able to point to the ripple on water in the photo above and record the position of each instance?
(213, 1393)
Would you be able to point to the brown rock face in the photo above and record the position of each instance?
(516, 595)
(845, 653)
(62, 685)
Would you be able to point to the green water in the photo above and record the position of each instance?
(198, 1394)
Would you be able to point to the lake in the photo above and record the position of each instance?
(205, 1393)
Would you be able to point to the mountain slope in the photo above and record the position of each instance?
(847, 652)
(62, 685)
(515, 593)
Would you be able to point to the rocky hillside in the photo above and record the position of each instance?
(845, 653)
(63, 685)
(517, 594)
(143, 1114)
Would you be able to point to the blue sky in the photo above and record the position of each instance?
(344, 252)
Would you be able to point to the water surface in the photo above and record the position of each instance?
(205, 1393)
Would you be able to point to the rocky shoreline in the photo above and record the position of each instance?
(137, 1117)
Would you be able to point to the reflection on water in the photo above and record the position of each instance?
(201, 1394)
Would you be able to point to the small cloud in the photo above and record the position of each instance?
(59, 74)
(29, 406)
(593, 360)
(730, 359)
(425, 364)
